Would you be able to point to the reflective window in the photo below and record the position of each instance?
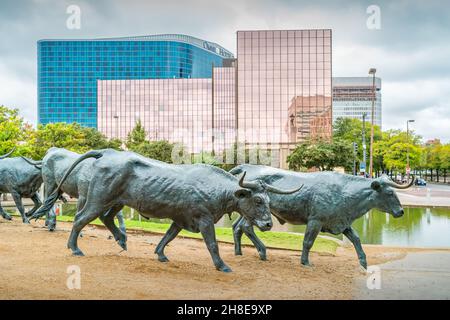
(286, 87)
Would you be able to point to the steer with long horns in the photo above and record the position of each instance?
(22, 179)
(329, 202)
(195, 197)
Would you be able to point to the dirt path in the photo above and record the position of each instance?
(33, 264)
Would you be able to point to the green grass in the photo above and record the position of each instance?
(272, 239)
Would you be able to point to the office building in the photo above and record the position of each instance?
(284, 82)
(284, 87)
(352, 97)
(68, 70)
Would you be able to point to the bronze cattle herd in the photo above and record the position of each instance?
(194, 197)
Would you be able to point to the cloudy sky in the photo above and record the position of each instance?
(411, 50)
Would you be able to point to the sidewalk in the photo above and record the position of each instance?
(421, 275)
(418, 201)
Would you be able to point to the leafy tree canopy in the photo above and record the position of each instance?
(324, 155)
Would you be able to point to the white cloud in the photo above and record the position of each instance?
(410, 51)
(18, 92)
(425, 101)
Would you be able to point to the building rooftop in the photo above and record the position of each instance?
(356, 82)
(203, 44)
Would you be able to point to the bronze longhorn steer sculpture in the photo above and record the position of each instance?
(55, 164)
(22, 180)
(195, 197)
(329, 202)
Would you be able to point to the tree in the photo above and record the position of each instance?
(321, 154)
(395, 146)
(136, 136)
(445, 157)
(395, 158)
(350, 130)
(159, 150)
(342, 154)
(61, 135)
(97, 140)
(13, 132)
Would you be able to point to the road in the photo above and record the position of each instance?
(432, 195)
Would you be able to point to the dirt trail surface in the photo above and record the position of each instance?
(33, 264)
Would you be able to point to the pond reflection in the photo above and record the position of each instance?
(419, 227)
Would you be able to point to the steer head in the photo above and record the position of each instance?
(253, 201)
(385, 196)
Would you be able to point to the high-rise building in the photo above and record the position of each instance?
(68, 70)
(352, 97)
(284, 84)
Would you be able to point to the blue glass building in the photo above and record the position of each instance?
(68, 70)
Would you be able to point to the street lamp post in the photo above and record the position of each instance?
(372, 71)
(355, 148)
(407, 148)
(116, 117)
(362, 166)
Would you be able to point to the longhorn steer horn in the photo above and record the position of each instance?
(8, 154)
(270, 188)
(37, 164)
(273, 189)
(246, 184)
(400, 186)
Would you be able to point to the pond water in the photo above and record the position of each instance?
(419, 227)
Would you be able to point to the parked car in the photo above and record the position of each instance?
(420, 182)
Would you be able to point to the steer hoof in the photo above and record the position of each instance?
(363, 270)
(363, 265)
(78, 253)
(307, 265)
(122, 244)
(51, 226)
(224, 268)
(7, 217)
(26, 221)
(163, 258)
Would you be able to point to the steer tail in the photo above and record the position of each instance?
(56, 194)
(8, 154)
(37, 164)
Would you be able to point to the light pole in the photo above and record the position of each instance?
(372, 71)
(362, 166)
(407, 149)
(212, 109)
(116, 117)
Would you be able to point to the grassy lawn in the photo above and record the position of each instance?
(273, 239)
